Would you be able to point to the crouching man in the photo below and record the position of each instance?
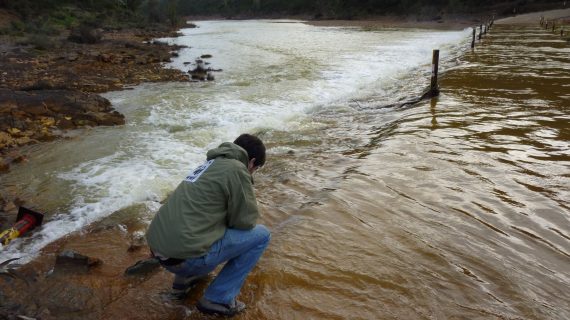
(211, 219)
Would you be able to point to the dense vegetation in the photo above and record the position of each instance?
(51, 16)
(359, 8)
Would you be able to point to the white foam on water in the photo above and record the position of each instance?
(274, 76)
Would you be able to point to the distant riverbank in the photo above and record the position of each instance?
(379, 22)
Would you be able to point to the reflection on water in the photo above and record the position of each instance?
(452, 208)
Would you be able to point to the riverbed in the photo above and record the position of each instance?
(455, 207)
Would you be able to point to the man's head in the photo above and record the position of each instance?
(255, 150)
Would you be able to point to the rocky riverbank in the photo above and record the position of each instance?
(50, 87)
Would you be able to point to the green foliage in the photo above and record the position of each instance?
(52, 16)
(40, 42)
(345, 8)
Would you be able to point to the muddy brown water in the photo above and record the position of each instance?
(453, 208)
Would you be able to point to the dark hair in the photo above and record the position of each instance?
(254, 147)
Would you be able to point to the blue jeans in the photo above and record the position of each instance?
(240, 248)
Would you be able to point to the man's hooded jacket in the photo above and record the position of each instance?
(215, 196)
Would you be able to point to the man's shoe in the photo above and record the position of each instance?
(229, 310)
(181, 290)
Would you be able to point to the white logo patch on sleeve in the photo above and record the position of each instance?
(194, 175)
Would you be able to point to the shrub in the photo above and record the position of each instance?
(40, 42)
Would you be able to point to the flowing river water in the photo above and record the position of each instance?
(455, 207)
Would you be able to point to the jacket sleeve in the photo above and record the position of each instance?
(242, 205)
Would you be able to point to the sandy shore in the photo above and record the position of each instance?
(534, 18)
(444, 23)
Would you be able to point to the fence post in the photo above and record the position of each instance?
(473, 41)
(553, 25)
(434, 90)
(480, 31)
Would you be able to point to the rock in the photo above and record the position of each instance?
(137, 242)
(199, 73)
(206, 56)
(23, 141)
(37, 115)
(72, 57)
(6, 140)
(10, 207)
(210, 77)
(65, 123)
(16, 157)
(64, 298)
(71, 261)
(14, 132)
(85, 34)
(4, 167)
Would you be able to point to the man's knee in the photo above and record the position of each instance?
(262, 233)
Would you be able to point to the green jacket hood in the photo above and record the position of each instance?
(229, 150)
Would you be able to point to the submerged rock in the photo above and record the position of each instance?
(71, 261)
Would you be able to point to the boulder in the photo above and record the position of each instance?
(86, 34)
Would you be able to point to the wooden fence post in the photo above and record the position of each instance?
(473, 41)
(480, 31)
(434, 90)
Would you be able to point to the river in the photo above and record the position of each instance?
(451, 208)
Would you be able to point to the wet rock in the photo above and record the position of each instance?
(137, 242)
(200, 72)
(4, 167)
(65, 123)
(143, 267)
(70, 261)
(39, 115)
(210, 77)
(10, 207)
(15, 156)
(63, 298)
(206, 56)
